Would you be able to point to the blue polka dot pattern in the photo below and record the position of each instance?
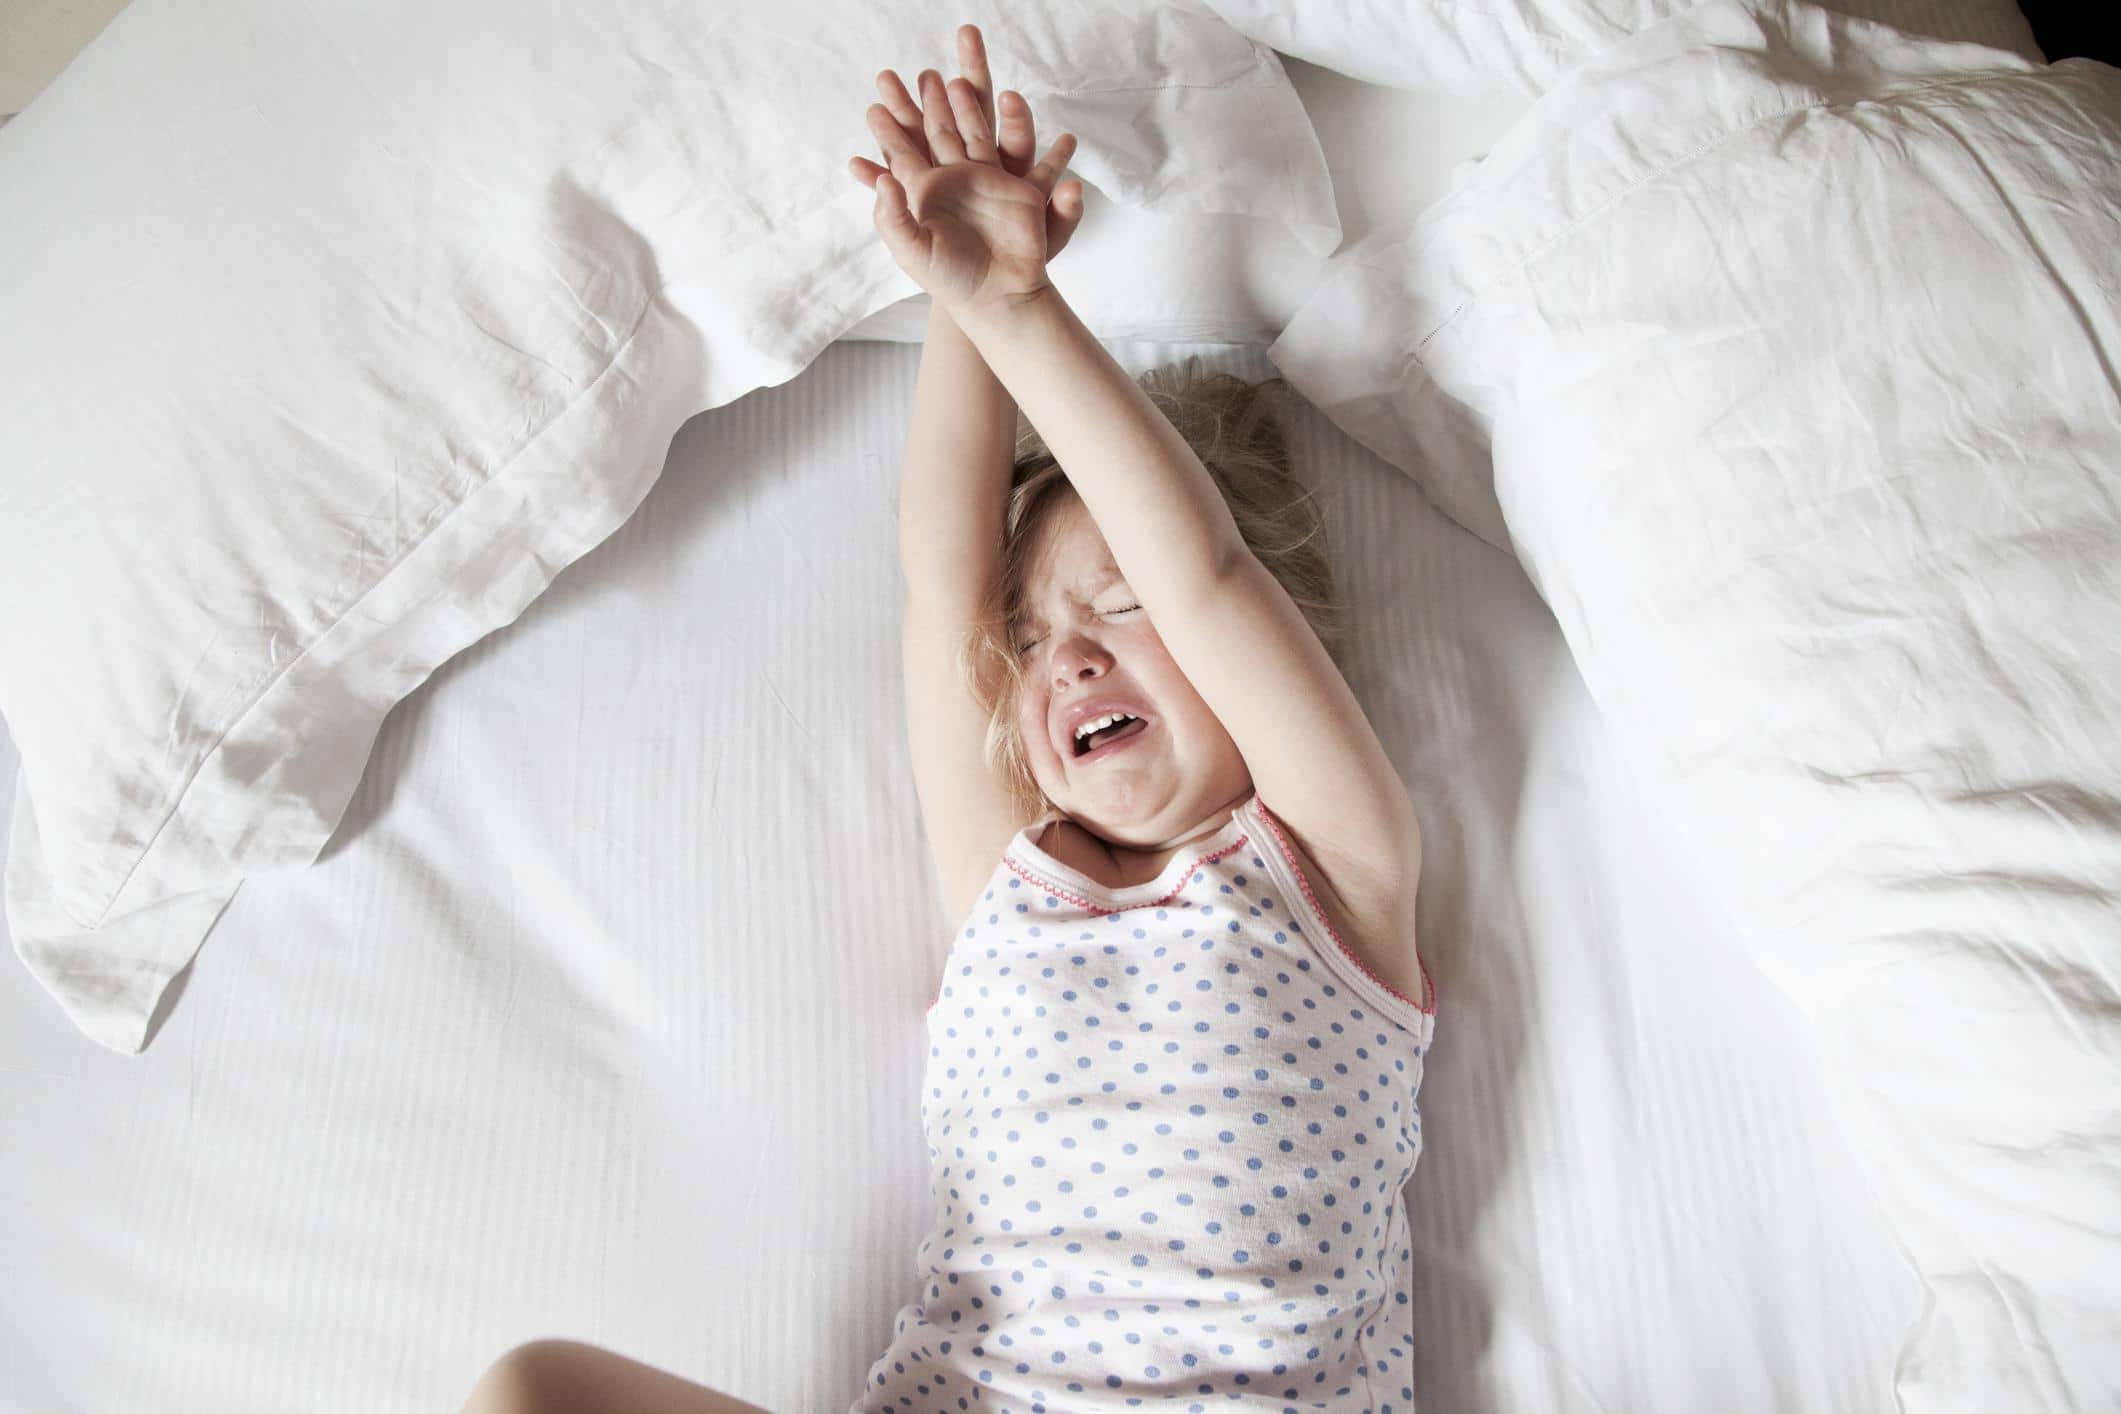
(1167, 1129)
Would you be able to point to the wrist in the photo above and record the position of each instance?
(986, 318)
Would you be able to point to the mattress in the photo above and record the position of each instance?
(602, 1014)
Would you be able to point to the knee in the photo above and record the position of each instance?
(524, 1380)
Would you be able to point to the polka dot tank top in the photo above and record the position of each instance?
(1168, 1127)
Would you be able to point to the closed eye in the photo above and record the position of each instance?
(1131, 608)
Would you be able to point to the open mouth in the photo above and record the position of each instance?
(1101, 743)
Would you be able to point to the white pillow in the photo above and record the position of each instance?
(333, 334)
(1521, 47)
(1794, 338)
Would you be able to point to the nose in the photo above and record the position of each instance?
(1079, 656)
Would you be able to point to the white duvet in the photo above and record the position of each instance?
(1795, 341)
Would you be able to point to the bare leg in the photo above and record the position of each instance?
(569, 1377)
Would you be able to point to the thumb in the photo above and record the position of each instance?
(903, 235)
(1063, 214)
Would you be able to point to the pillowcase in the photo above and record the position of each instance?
(334, 334)
(1792, 338)
(1521, 47)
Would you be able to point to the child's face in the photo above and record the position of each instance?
(1090, 641)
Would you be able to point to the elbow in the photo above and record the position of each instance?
(1197, 585)
(1230, 559)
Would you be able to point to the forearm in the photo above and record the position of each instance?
(1167, 524)
(954, 486)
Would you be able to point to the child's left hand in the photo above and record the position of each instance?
(970, 231)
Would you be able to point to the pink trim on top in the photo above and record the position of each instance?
(1427, 986)
(1033, 877)
(1427, 1006)
(1048, 886)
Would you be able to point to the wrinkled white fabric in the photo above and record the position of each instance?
(1521, 48)
(1797, 343)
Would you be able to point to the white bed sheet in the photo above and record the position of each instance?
(601, 1016)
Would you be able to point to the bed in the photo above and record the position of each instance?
(600, 1015)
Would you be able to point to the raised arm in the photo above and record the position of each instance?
(954, 487)
(954, 484)
(1153, 501)
(951, 497)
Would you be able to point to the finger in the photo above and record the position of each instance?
(1049, 167)
(1063, 214)
(1019, 134)
(941, 128)
(904, 158)
(904, 111)
(972, 63)
(903, 235)
(971, 122)
(864, 171)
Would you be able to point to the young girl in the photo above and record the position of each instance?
(1173, 1062)
(1170, 1099)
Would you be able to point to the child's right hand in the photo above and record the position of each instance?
(972, 221)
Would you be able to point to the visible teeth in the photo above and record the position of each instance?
(1101, 723)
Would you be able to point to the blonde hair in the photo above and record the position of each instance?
(1233, 427)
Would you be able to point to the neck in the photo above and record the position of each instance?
(1153, 858)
